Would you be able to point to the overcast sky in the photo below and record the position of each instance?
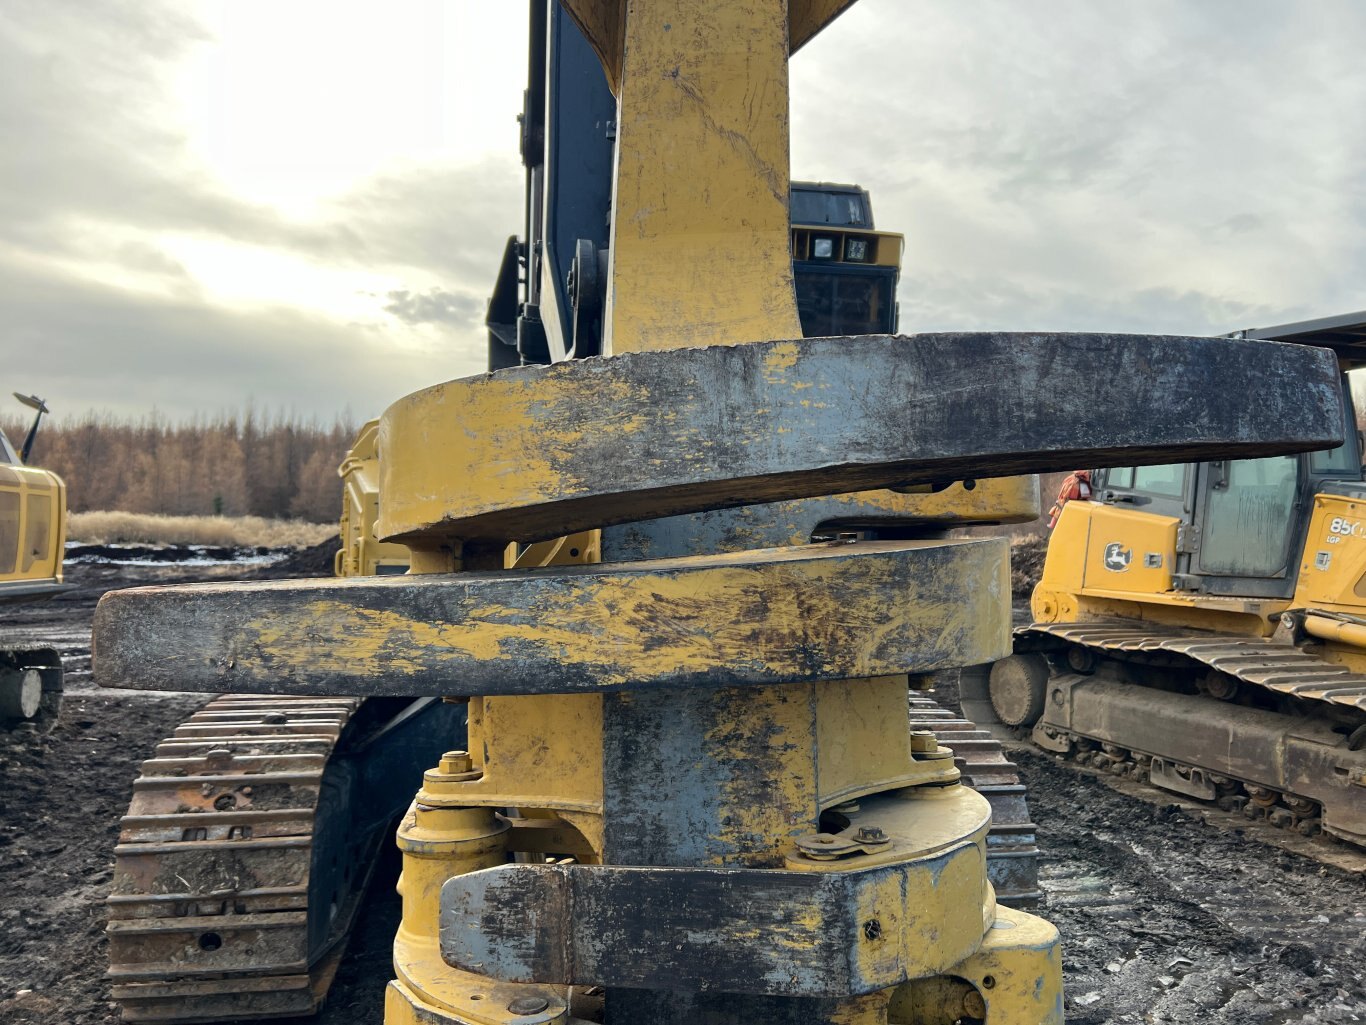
(302, 203)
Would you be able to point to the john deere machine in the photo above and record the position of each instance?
(32, 542)
(679, 563)
(1202, 626)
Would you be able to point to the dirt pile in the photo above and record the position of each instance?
(1026, 564)
(315, 561)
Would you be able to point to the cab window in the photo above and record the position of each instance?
(1250, 517)
(1167, 480)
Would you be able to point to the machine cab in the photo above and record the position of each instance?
(1233, 528)
(1238, 526)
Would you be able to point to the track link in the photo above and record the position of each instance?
(215, 874)
(1269, 730)
(1012, 849)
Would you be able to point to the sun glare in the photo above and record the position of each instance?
(295, 103)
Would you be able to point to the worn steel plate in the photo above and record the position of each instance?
(537, 452)
(812, 930)
(818, 612)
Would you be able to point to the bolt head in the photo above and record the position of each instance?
(871, 833)
(528, 1005)
(456, 761)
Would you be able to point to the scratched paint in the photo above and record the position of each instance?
(542, 451)
(810, 613)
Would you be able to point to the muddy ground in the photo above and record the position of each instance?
(1165, 918)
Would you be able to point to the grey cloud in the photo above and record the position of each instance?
(1098, 164)
(87, 346)
(1240, 224)
(948, 301)
(1085, 164)
(91, 173)
(435, 306)
(82, 88)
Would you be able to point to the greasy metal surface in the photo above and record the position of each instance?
(828, 928)
(747, 770)
(641, 435)
(1012, 849)
(998, 500)
(1276, 667)
(1302, 757)
(835, 611)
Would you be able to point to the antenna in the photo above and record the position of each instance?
(33, 402)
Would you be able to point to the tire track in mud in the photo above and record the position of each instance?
(1167, 919)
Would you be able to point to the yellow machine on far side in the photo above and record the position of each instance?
(361, 553)
(1203, 626)
(32, 539)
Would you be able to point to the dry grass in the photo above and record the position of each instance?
(226, 531)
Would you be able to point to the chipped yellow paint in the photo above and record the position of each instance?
(700, 247)
(780, 358)
(1016, 977)
(437, 844)
(486, 441)
(763, 749)
(539, 753)
(652, 625)
(361, 553)
(700, 256)
(862, 744)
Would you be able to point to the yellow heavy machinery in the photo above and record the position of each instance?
(253, 831)
(361, 553)
(1202, 626)
(32, 542)
(689, 792)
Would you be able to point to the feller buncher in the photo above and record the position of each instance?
(1202, 626)
(32, 542)
(689, 792)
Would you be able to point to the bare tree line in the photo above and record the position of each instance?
(272, 465)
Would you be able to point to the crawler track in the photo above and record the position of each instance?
(248, 844)
(1271, 731)
(1012, 851)
(232, 895)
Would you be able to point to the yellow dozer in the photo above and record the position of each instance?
(32, 541)
(682, 585)
(1202, 626)
(361, 553)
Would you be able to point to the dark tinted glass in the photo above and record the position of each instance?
(845, 209)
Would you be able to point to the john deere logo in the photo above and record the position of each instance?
(1117, 557)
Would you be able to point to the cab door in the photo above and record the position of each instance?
(1135, 535)
(1250, 514)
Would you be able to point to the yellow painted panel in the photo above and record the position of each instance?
(362, 553)
(1333, 564)
(700, 246)
(1129, 551)
(32, 524)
